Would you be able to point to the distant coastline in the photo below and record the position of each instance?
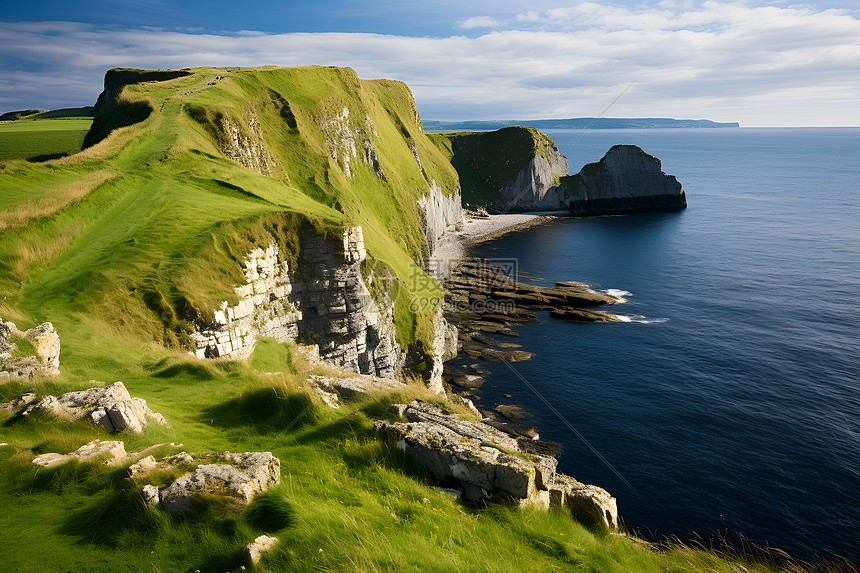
(576, 123)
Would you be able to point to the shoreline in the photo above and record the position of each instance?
(476, 230)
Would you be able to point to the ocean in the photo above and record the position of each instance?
(730, 401)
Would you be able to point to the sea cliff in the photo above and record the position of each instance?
(519, 169)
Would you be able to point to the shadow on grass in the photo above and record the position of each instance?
(209, 534)
(265, 410)
(212, 534)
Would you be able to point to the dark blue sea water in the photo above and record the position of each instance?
(731, 402)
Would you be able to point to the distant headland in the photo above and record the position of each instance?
(576, 123)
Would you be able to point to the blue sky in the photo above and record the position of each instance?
(758, 62)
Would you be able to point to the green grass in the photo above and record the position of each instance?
(347, 501)
(149, 226)
(23, 347)
(119, 244)
(42, 138)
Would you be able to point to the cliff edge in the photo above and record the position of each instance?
(509, 170)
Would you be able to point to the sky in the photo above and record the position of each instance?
(757, 62)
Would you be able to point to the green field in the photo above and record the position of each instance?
(29, 138)
(121, 245)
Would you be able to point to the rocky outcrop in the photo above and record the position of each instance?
(511, 169)
(265, 308)
(345, 138)
(324, 302)
(335, 388)
(237, 476)
(110, 407)
(625, 180)
(25, 354)
(482, 298)
(246, 148)
(109, 453)
(521, 169)
(487, 464)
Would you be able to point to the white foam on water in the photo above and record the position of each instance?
(616, 292)
(639, 319)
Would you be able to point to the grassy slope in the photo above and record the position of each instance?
(156, 211)
(486, 160)
(347, 502)
(27, 138)
(87, 237)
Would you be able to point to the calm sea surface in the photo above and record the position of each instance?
(731, 401)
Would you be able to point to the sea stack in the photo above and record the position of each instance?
(625, 180)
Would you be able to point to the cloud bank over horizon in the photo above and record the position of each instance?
(725, 61)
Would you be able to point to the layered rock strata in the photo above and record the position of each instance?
(483, 299)
(536, 186)
(324, 302)
(487, 464)
(45, 358)
(625, 180)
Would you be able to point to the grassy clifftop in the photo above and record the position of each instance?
(186, 171)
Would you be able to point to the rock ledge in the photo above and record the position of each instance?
(487, 464)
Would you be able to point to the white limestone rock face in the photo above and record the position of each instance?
(324, 303)
(488, 464)
(45, 361)
(441, 216)
(265, 308)
(111, 407)
(346, 137)
(246, 149)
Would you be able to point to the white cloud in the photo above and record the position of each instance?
(722, 61)
(479, 22)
